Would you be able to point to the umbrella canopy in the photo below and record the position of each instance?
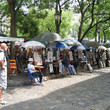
(3, 35)
(6, 39)
(108, 49)
(80, 47)
(84, 41)
(87, 48)
(18, 43)
(48, 36)
(33, 44)
(102, 47)
(71, 42)
(60, 45)
(92, 44)
(73, 48)
(107, 45)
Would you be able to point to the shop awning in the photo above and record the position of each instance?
(8, 39)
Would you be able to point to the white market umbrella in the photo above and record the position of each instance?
(17, 43)
(72, 42)
(102, 47)
(108, 49)
(33, 44)
(81, 47)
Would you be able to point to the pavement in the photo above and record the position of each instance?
(16, 80)
(84, 91)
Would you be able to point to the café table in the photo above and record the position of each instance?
(39, 67)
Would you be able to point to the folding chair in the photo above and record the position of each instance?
(13, 65)
(30, 76)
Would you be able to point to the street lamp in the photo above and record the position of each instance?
(57, 20)
(57, 15)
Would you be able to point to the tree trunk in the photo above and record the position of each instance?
(96, 33)
(99, 37)
(80, 27)
(13, 32)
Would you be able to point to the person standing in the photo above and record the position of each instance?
(3, 71)
(103, 56)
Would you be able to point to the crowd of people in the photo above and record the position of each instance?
(55, 61)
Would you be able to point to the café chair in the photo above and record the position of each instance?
(12, 65)
(32, 78)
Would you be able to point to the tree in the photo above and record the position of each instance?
(14, 6)
(33, 23)
(105, 28)
(58, 5)
(28, 23)
(48, 24)
(92, 12)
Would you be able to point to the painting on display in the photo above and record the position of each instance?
(50, 68)
(70, 56)
(80, 53)
(50, 56)
(58, 55)
(37, 58)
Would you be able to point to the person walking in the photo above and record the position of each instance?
(3, 71)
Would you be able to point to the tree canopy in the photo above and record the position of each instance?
(40, 18)
(93, 13)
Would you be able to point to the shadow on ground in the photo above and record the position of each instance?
(79, 96)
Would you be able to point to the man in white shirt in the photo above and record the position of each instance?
(3, 71)
(33, 71)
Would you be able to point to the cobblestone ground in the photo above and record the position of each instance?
(85, 91)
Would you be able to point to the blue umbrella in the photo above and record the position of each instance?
(60, 45)
(80, 47)
(73, 48)
(87, 48)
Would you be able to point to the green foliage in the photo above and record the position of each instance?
(39, 19)
(66, 26)
(89, 22)
(37, 22)
(41, 16)
(27, 25)
(48, 24)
